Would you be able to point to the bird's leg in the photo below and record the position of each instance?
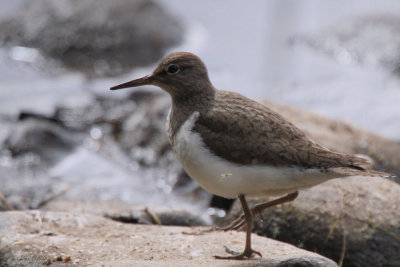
(257, 209)
(240, 221)
(248, 251)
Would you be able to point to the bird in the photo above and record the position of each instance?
(235, 147)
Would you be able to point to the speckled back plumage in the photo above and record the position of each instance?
(246, 132)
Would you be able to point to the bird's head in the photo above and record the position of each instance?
(181, 74)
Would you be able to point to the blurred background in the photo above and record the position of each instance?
(64, 136)
(62, 130)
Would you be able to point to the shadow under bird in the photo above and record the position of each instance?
(236, 147)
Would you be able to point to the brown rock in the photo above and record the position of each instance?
(34, 238)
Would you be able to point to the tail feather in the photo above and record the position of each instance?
(360, 162)
(361, 165)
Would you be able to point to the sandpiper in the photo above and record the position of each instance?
(236, 147)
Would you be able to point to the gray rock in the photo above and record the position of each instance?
(32, 238)
(41, 137)
(98, 37)
(137, 125)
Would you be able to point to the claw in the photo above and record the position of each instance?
(231, 251)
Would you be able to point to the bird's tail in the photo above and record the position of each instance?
(361, 165)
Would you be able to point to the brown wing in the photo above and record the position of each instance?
(254, 134)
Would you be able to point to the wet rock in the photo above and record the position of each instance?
(129, 213)
(33, 144)
(32, 238)
(136, 124)
(97, 37)
(357, 217)
(40, 137)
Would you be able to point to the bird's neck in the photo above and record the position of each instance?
(183, 108)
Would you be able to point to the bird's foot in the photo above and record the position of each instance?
(246, 254)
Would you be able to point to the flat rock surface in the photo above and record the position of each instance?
(30, 238)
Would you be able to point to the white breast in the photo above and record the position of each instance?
(221, 177)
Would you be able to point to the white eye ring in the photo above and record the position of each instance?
(172, 69)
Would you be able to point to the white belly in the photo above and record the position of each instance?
(227, 179)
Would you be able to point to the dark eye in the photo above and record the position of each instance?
(172, 69)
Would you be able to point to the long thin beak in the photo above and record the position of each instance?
(146, 80)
